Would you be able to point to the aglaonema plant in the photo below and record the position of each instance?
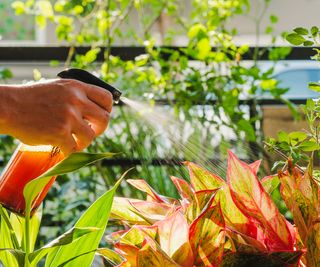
(77, 246)
(220, 223)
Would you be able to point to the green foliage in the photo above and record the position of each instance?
(206, 94)
(18, 234)
(304, 146)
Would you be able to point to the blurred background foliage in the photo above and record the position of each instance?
(205, 90)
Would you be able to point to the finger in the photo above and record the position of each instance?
(100, 96)
(83, 134)
(68, 145)
(98, 117)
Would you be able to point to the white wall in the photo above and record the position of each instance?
(291, 14)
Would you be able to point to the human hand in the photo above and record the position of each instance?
(65, 113)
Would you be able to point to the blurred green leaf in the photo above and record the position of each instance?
(301, 31)
(295, 39)
(315, 86)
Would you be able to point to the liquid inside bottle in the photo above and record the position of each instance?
(26, 164)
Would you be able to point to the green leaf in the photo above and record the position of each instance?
(67, 238)
(19, 7)
(298, 136)
(270, 183)
(309, 146)
(96, 215)
(5, 74)
(273, 19)
(314, 86)
(308, 43)
(246, 126)
(195, 30)
(204, 48)
(301, 31)
(268, 84)
(74, 162)
(17, 254)
(314, 31)
(283, 137)
(6, 244)
(18, 224)
(295, 39)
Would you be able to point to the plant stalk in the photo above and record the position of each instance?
(27, 246)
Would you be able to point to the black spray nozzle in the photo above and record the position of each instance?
(87, 77)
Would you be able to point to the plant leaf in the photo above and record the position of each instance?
(295, 39)
(174, 235)
(202, 179)
(6, 257)
(96, 215)
(183, 188)
(255, 166)
(152, 211)
(270, 183)
(143, 186)
(74, 162)
(205, 239)
(315, 86)
(18, 224)
(67, 238)
(17, 254)
(149, 256)
(249, 195)
(122, 210)
(111, 256)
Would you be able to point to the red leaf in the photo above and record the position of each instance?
(150, 255)
(152, 211)
(183, 188)
(202, 179)
(206, 239)
(129, 252)
(255, 166)
(174, 235)
(235, 219)
(249, 195)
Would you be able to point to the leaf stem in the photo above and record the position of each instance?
(27, 246)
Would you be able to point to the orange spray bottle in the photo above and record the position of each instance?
(29, 162)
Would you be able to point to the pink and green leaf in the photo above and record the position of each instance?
(250, 197)
(206, 239)
(122, 210)
(149, 256)
(183, 187)
(202, 179)
(143, 186)
(152, 211)
(174, 235)
(255, 166)
(235, 219)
